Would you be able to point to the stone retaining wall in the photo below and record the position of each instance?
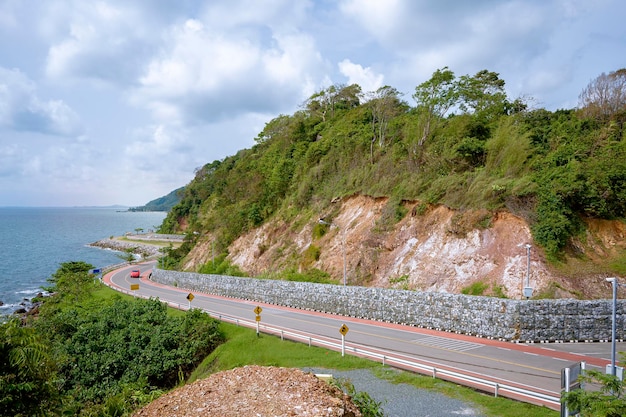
(512, 320)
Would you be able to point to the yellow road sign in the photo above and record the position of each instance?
(190, 297)
(258, 318)
(257, 310)
(343, 329)
(134, 287)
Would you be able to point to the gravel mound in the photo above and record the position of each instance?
(253, 391)
(256, 391)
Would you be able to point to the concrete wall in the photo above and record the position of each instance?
(532, 320)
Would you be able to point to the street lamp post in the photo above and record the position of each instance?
(343, 245)
(528, 291)
(613, 281)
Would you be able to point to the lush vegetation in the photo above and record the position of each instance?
(94, 356)
(463, 143)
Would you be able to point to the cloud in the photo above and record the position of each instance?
(21, 109)
(164, 87)
(103, 41)
(365, 77)
(203, 76)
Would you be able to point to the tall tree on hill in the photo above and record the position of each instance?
(434, 99)
(326, 101)
(604, 98)
(384, 104)
(483, 95)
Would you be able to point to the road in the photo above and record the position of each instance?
(533, 367)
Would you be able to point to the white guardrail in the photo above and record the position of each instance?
(518, 392)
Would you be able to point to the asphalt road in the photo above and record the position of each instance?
(536, 367)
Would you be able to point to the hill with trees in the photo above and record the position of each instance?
(164, 203)
(460, 142)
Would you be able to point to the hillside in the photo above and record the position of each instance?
(164, 203)
(438, 250)
(443, 196)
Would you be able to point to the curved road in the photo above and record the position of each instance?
(536, 368)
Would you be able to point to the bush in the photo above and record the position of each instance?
(476, 288)
(221, 266)
(364, 402)
(105, 350)
(311, 275)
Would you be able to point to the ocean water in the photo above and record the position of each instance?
(35, 241)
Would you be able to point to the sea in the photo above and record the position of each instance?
(34, 241)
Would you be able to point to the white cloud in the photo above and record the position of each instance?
(101, 41)
(202, 76)
(21, 108)
(378, 17)
(365, 77)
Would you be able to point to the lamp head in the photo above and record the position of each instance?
(610, 279)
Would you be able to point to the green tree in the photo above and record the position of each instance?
(72, 282)
(434, 99)
(385, 104)
(326, 101)
(608, 401)
(27, 373)
(483, 94)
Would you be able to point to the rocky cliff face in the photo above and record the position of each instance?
(430, 249)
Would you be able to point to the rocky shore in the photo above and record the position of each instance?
(143, 249)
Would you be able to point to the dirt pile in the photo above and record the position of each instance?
(254, 391)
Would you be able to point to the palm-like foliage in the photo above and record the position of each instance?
(27, 375)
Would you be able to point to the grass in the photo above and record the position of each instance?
(244, 347)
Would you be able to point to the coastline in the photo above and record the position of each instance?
(144, 249)
(150, 245)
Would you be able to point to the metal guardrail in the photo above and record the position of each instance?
(519, 392)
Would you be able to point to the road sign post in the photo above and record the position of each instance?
(257, 311)
(190, 297)
(344, 331)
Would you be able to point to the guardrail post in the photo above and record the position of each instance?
(309, 342)
(496, 390)
(282, 335)
(434, 372)
(384, 357)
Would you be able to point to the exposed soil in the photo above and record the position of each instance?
(254, 391)
(432, 248)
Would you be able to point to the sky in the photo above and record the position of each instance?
(119, 102)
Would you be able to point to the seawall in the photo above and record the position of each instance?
(504, 319)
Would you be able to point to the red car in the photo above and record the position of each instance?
(135, 273)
